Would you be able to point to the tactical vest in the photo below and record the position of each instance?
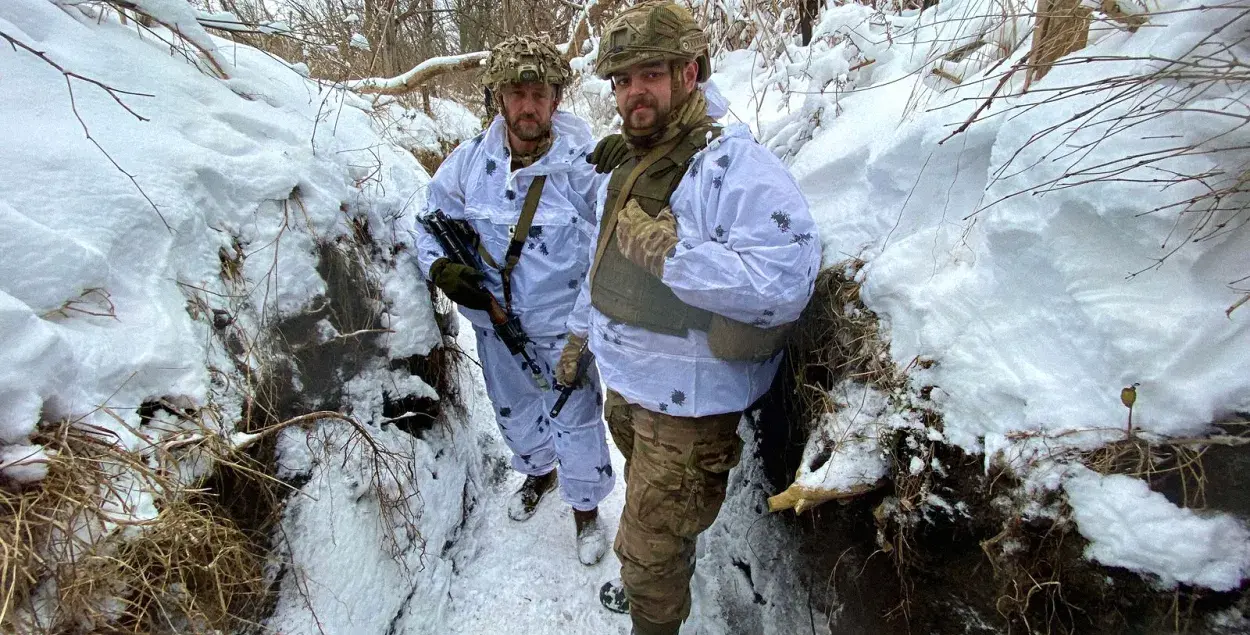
(622, 290)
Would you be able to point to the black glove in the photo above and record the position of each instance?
(463, 285)
(610, 152)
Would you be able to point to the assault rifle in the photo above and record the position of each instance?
(461, 244)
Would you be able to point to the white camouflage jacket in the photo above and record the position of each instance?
(475, 183)
(748, 250)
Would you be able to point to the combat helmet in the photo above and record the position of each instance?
(525, 58)
(649, 32)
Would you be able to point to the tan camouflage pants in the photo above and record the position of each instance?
(676, 470)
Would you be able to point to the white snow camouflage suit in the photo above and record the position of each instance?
(748, 250)
(475, 183)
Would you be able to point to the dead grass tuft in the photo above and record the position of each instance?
(1154, 459)
(108, 542)
(837, 339)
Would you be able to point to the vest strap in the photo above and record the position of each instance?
(608, 230)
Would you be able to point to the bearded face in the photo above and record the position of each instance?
(527, 109)
(647, 94)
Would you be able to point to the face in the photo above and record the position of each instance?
(645, 94)
(527, 109)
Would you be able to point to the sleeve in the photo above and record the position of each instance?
(445, 193)
(753, 252)
(578, 322)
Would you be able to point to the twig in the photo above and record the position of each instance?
(112, 92)
(1229, 313)
(988, 100)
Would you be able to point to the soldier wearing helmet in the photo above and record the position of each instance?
(704, 253)
(524, 188)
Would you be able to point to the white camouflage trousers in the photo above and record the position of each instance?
(576, 440)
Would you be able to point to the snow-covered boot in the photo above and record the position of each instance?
(612, 596)
(525, 501)
(592, 540)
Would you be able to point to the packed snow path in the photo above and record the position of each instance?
(523, 577)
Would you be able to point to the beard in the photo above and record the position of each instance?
(527, 127)
(643, 116)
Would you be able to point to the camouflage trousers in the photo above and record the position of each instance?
(676, 471)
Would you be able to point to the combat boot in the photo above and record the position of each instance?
(592, 540)
(525, 501)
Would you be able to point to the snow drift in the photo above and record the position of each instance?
(170, 210)
(1043, 253)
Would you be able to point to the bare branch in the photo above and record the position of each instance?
(420, 74)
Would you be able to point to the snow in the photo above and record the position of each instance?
(848, 442)
(181, 18)
(117, 292)
(379, 84)
(1132, 527)
(23, 463)
(94, 288)
(359, 41)
(227, 21)
(1038, 307)
(1028, 304)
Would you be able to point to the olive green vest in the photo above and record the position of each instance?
(622, 290)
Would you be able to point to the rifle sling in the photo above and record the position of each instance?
(519, 234)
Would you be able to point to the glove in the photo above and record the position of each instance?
(610, 152)
(461, 284)
(644, 240)
(566, 368)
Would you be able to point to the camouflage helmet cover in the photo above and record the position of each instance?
(525, 58)
(661, 30)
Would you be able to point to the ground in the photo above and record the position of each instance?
(512, 577)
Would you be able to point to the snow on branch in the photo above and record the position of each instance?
(420, 74)
(226, 21)
(183, 20)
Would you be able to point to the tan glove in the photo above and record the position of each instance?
(566, 368)
(646, 241)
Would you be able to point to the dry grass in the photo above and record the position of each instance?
(1031, 564)
(837, 339)
(115, 540)
(1153, 459)
(108, 542)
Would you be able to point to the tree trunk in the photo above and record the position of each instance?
(809, 10)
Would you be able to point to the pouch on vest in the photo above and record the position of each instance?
(735, 341)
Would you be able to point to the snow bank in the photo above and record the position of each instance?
(1027, 303)
(1132, 527)
(1037, 297)
(153, 260)
(94, 288)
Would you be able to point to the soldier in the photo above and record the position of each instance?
(525, 179)
(705, 252)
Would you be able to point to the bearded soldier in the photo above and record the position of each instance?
(525, 189)
(705, 251)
